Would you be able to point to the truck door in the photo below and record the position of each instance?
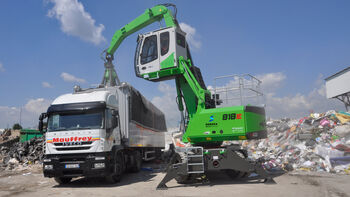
(112, 128)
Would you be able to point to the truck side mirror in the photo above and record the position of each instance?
(41, 122)
(114, 122)
(114, 119)
(114, 113)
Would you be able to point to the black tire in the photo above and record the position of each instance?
(63, 180)
(137, 162)
(159, 154)
(118, 165)
(182, 179)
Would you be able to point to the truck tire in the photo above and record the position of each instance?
(62, 180)
(118, 168)
(137, 162)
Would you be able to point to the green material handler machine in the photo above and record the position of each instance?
(164, 54)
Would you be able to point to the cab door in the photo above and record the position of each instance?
(149, 54)
(167, 48)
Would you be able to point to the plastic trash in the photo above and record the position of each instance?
(340, 160)
(307, 164)
(328, 151)
(309, 144)
(324, 122)
(343, 117)
(342, 130)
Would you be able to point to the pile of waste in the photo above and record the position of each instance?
(319, 142)
(17, 155)
(9, 134)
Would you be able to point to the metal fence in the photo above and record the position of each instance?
(238, 89)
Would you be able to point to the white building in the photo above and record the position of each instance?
(338, 86)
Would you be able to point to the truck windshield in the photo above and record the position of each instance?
(63, 122)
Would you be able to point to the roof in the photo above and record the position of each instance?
(338, 73)
(94, 96)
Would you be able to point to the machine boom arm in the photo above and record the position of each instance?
(150, 16)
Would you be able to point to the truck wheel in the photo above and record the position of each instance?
(118, 168)
(62, 180)
(137, 162)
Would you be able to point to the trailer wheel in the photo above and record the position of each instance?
(137, 162)
(62, 180)
(118, 169)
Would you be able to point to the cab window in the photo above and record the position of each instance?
(149, 50)
(180, 40)
(164, 43)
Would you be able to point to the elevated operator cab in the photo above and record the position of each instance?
(159, 50)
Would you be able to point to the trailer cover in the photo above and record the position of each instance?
(145, 113)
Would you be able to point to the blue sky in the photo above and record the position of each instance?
(298, 43)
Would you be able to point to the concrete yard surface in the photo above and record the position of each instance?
(144, 184)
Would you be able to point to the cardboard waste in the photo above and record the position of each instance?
(319, 142)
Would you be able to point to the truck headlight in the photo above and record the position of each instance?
(99, 165)
(99, 158)
(48, 167)
(47, 160)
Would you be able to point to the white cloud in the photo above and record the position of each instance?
(271, 81)
(191, 36)
(296, 105)
(2, 69)
(29, 113)
(8, 116)
(71, 78)
(76, 21)
(167, 104)
(320, 80)
(46, 84)
(37, 106)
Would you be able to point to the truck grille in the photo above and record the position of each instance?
(63, 144)
(73, 159)
(74, 148)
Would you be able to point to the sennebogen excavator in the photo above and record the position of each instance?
(164, 54)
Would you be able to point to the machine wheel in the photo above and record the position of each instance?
(118, 167)
(179, 158)
(137, 162)
(62, 180)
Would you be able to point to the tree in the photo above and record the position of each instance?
(16, 127)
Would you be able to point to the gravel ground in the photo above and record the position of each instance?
(144, 183)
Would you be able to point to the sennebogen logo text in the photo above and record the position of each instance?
(211, 123)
